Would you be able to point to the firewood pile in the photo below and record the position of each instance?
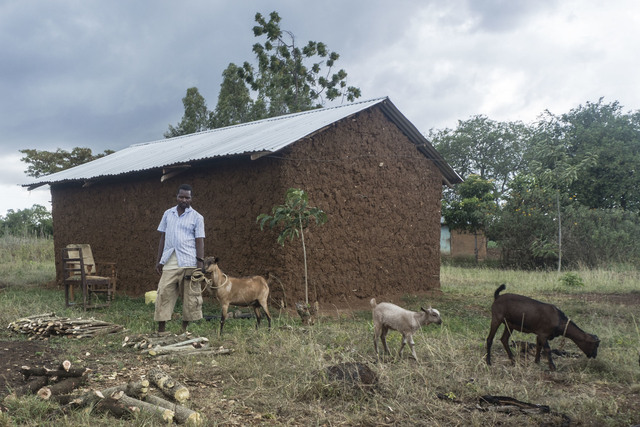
(42, 326)
(163, 346)
(63, 385)
(46, 383)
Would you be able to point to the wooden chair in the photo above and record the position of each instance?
(97, 280)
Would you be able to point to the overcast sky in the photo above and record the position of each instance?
(108, 74)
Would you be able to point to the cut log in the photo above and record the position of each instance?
(137, 389)
(60, 373)
(32, 386)
(166, 414)
(86, 399)
(44, 393)
(117, 408)
(188, 342)
(168, 386)
(157, 351)
(197, 351)
(183, 415)
(62, 387)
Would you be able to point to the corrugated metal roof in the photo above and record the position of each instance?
(268, 135)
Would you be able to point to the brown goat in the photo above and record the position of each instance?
(530, 316)
(250, 291)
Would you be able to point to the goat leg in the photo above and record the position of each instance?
(552, 365)
(223, 316)
(266, 312)
(404, 342)
(505, 343)
(539, 345)
(256, 310)
(383, 338)
(492, 333)
(412, 345)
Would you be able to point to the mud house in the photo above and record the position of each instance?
(374, 174)
(462, 244)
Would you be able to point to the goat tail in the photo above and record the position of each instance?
(501, 288)
(373, 303)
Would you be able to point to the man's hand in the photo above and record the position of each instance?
(159, 268)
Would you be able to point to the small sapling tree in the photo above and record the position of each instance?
(293, 217)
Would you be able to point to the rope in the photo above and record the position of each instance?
(196, 278)
(564, 333)
(200, 277)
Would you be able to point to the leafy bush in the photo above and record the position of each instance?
(597, 237)
(571, 279)
(34, 221)
(526, 230)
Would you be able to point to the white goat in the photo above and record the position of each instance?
(389, 316)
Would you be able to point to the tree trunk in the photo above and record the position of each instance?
(559, 232)
(475, 249)
(304, 256)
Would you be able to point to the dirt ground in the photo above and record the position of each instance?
(15, 354)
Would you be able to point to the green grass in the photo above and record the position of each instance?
(26, 261)
(276, 377)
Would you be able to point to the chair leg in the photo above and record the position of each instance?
(85, 296)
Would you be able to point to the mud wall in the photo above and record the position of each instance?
(463, 244)
(381, 195)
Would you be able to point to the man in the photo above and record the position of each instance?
(181, 244)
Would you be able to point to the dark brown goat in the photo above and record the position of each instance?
(530, 316)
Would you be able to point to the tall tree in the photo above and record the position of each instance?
(42, 162)
(493, 150)
(195, 118)
(555, 166)
(524, 225)
(289, 78)
(603, 130)
(234, 101)
(472, 207)
(286, 79)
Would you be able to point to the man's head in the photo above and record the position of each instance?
(184, 196)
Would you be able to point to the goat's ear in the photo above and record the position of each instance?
(215, 260)
(199, 259)
(422, 308)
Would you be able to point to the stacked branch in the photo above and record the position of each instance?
(145, 341)
(42, 326)
(169, 345)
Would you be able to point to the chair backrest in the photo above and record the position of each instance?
(87, 256)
